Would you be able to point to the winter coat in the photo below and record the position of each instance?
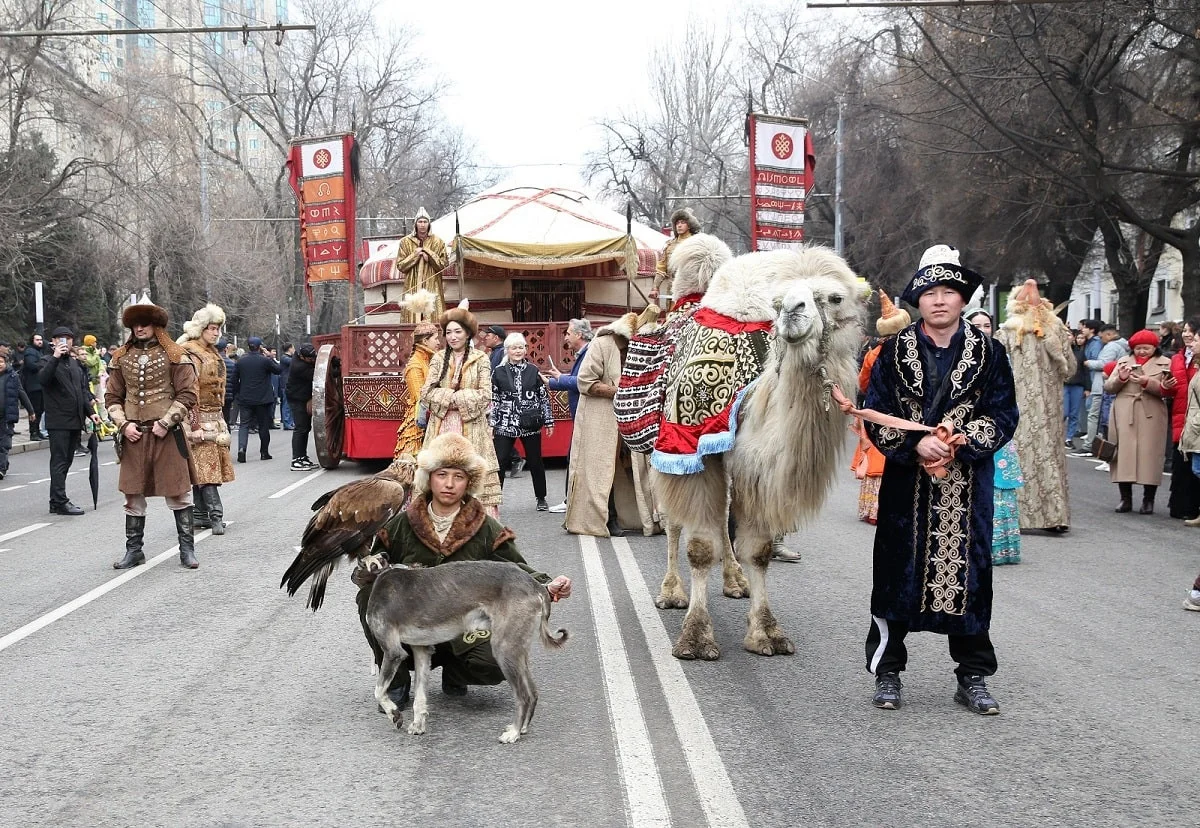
(30, 358)
(208, 434)
(285, 368)
(410, 436)
(300, 382)
(12, 393)
(230, 378)
(1183, 370)
(1189, 439)
(469, 393)
(1138, 422)
(1081, 377)
(65, 392)
(933, 545)
(517, 388)
(253, 385)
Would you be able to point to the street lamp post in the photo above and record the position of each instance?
(838, 152)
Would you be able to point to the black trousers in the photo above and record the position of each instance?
(260, 415)
(39, 408)
(1185, 488)
(477, 665)
(229, 410)
(886, 653)
(302, 426)
(506, 448)
(62, 453)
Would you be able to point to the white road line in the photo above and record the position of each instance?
(10, 488)
(713, 785)
(85, 599)
(33, 527)
(289, 489)
(109, 463)
(645, 800)
(43, 480)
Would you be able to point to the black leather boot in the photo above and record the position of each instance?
(216, 511)
(135, 528)
(200, 518)
(1126, 504)
(1148, 493)
(187, 542)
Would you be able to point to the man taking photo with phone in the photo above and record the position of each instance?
(68, 402)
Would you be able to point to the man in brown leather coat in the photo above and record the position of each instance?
(151, 390)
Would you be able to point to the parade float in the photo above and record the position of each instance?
(527, 258)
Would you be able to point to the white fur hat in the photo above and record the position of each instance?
(450, 451)
(210, 314)
(421, 214)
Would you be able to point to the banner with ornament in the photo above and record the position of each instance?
(323, 173)
(781, 174)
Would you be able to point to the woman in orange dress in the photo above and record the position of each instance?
(410, 436)
(867, 464)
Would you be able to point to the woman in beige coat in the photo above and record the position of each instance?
(1139, 423)
(457, 394)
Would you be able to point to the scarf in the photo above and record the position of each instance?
(441, 525)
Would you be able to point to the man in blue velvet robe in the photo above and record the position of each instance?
(932, 556)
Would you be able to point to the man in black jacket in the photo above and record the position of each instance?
(255, 397)
(30, 358)
(68, 401)
(299, 396)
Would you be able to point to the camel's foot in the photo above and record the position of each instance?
(671, 594)
(696, 640)
(769, 642)
(736, 586)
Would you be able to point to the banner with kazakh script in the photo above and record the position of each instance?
(322, 172)
(781, 175)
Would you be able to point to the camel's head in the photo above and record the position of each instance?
(821, 298)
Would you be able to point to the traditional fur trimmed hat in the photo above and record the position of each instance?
(684, 214)
(421, 214)
(463, 316)
(424, 329)
(940, 266)
(450, 451)
(892, 320)
(144, 312)
(210, 314)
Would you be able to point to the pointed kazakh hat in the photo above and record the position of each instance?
(421, 214)
(940, 265)
(892, 320)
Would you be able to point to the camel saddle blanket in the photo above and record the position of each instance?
(715, 356)
(639, 402)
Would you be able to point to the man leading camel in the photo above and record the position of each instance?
(932, 556)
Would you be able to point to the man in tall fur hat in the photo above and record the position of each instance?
(208, 434)
(444, 523)
(932, 561)
(150, 395)
(421, 258)
(684, 225)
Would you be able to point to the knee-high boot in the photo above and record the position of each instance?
(216, 511)
(135, 529)
(200, 518)
(1148, 493)
(1126, 504)
(187, 542)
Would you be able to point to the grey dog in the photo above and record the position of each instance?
(423, 607)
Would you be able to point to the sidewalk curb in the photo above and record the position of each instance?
(28, 445)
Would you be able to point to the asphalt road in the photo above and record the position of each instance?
(209, 697)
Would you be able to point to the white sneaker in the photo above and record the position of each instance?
(1103, 467)
(559, 508)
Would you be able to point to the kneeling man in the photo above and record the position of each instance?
(445, 523)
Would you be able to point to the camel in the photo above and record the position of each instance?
(776, 465)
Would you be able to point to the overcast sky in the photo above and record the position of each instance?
(530, 77)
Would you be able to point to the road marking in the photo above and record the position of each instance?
(109, 463)
(713, 785)
(43, 480)
(85, 599)
(289, 489)
(644, 797)
(33, 527)
(10, 488)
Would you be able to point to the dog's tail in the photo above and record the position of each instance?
(550, 640)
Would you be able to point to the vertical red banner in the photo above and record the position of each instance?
(781, 174)
(321, 175)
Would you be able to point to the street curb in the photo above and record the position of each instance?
(29, 445)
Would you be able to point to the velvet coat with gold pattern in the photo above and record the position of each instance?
(933, 544)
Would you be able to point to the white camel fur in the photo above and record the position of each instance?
(788, 435)
(692, 265)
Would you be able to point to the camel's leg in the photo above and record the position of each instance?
(696, 640)
(671, 594)
(733, 580)
(763, 634)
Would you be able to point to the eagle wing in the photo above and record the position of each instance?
(345, 522)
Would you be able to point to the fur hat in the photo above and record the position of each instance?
(892, 320)
(694, 261)
(89, 341)
(940, 266)
(625, 326)
(421, 214)
(424, 329)
(684, 214)
(144, 312)
(462, 316)
(450, 451)
(210, 314)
